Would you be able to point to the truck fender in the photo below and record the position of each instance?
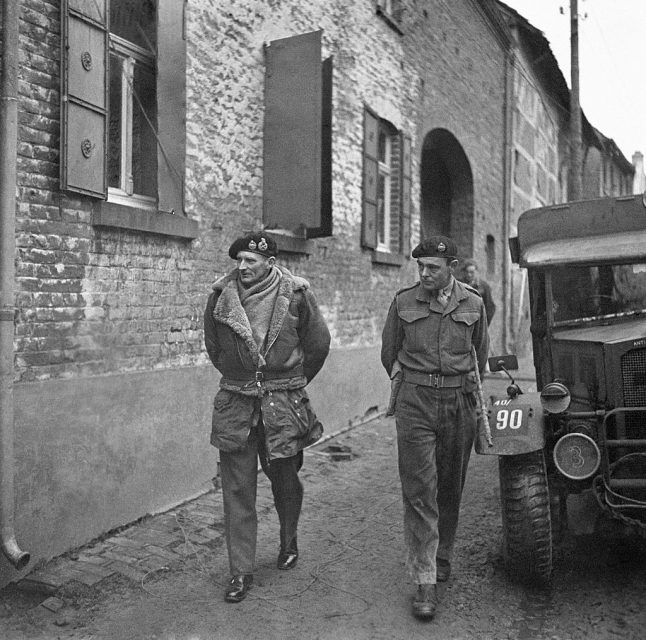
(517, 425)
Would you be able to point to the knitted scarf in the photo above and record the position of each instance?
(258, 302)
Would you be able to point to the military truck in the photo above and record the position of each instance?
(582, 434)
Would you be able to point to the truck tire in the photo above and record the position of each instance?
(526, 521)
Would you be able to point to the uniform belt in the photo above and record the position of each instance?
(436, 380)
(263, 376)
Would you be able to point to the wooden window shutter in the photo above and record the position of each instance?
(292, 133)
(325, 228)
(370, 171)
(171, 104)
(404, 240)
(84, 96)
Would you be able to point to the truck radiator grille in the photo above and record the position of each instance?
(633, 374)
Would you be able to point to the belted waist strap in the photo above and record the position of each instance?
(268, 381)
(261, 376)
(436, 380)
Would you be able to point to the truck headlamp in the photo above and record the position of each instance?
(555, 397)
(577, 456)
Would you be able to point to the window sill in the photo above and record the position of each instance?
(118, 216)
(390, 21)
(384, 257)
(291, 244)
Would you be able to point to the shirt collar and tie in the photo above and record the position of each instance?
(444, 295)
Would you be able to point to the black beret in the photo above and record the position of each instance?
(256, 243)
(436, 247)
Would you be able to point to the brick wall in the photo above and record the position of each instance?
(89, 300)
(94, 301)
(461, 90)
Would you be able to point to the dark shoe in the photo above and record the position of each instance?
(238, 587)
(443, 570)
(287, 560)
(425, 602)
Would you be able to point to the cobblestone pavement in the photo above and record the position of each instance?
(151, 544)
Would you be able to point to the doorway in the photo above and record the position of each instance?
(446, 190)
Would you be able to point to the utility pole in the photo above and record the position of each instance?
(575, 188)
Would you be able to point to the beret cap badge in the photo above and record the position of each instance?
(256, 242)
(438, 246)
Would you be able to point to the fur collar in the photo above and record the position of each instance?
(229, 311)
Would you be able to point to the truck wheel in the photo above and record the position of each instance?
(526, 522)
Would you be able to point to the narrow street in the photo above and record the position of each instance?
(350, 581)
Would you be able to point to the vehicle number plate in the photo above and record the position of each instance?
(509, 420)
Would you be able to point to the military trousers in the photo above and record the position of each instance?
(239, 476)
(435, 432)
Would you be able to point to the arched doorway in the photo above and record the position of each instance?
(446, 190)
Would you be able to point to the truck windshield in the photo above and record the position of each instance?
(581, 293)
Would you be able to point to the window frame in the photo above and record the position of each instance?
(385, 173)
(131, 55)
(387, 233)
(391, 12)
(86, 41)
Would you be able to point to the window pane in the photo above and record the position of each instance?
(134, 20)
(592, 292)
(381, 209)
(383, 146)
(114, 144)
(144, 124)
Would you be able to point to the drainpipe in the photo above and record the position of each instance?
(506, 203)
(8, 161)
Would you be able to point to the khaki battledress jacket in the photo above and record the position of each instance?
(297, 345)
(426, 338)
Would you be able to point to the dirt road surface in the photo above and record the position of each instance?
(350, 582)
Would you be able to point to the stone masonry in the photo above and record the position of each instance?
(98, 301)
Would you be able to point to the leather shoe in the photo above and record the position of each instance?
(443, 570)
(425, 602)
(287, 560)
(238, 587)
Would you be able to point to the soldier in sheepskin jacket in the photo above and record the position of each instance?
(265, 334)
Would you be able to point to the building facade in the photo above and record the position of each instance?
(540, 151)
(150, 133)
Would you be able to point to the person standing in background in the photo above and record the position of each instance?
(472, 278)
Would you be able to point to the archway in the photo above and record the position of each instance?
(446, 190)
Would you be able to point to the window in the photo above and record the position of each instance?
(386, 187)
(490, 252)
(132, 160)
(391, 11)
(384, 179)
(297, 144)
(123, 113)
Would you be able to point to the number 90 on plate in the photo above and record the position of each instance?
(509, 420)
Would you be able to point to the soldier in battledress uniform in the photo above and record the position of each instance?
(434, 337)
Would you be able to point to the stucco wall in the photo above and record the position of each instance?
(98, 453)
